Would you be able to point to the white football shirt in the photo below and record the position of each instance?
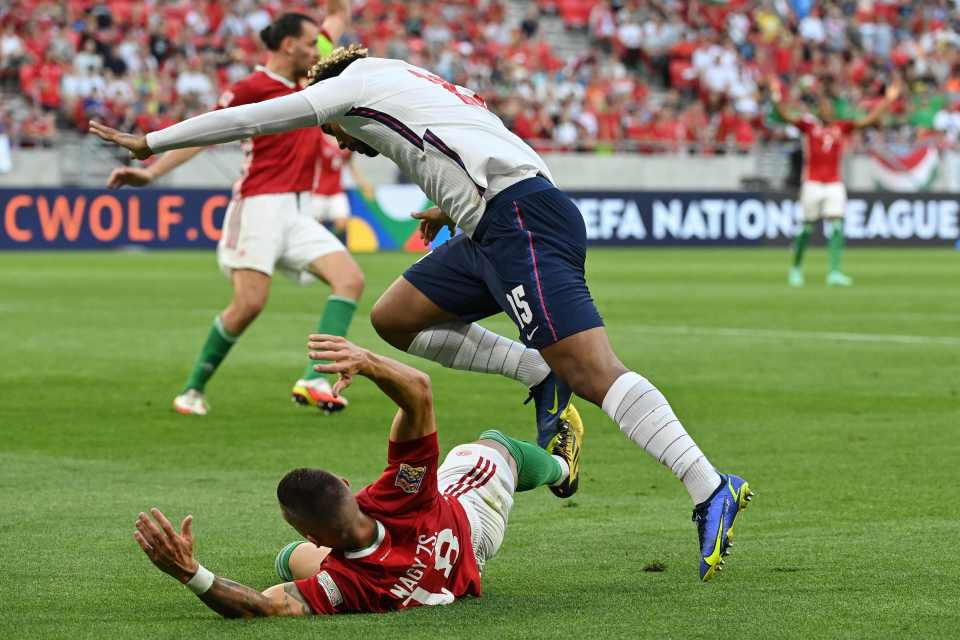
(440, 135)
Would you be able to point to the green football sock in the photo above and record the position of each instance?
(282, 562)
(335, 321)
(535, 467)
(836, 244)
(800, 244)
(214, 350)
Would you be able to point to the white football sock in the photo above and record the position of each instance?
(470, 347)
(565, 471)
(645, 416)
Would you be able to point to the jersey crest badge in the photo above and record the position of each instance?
(409, 478)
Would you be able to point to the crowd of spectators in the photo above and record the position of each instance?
(651, 75)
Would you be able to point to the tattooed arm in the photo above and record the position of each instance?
(172, 553)
(234, 600)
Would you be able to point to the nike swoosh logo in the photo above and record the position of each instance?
(530, 335)
(714, 557)
(736, 497)
(556, 401)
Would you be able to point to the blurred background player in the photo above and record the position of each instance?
(420, 535)
(330, 203)
(267, 224)
(822, 194)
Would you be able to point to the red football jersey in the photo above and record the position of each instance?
(330, 162)
(277, 163)
(422, 554)
(823, 146)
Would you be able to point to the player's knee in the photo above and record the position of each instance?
(592, 382)
(384, 322)
(395, 320)
(250, 305)
(379, 318)
(350, 284)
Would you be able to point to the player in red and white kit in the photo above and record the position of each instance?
(268, 222)
(420, 535)
(823, 195)
(330, 202)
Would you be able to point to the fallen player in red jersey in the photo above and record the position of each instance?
(419, 535)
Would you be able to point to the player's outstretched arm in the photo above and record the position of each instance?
(406, 386)
(776, 96)
(337, 21)
(172, 553)
(872, 118)
(308, 108)
(234, 600)
(141, 177)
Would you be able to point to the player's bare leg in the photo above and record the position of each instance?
(251, 289)
(402, 312)
(250, 292)
(343, 274)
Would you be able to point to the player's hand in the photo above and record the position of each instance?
(431, 222)
(893, 91)
(131, 176)
(137, 145)
(346, 359)
(169, 551)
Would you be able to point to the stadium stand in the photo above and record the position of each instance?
(643, 76)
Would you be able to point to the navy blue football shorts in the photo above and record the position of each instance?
(526, 258)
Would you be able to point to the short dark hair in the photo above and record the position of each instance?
(313, 496)
(287, 25)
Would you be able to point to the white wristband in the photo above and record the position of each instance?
(201, 581)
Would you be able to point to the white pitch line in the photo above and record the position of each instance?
(732, 332)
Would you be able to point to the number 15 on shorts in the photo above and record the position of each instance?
(521, 308)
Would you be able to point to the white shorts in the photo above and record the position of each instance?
(274, 229)
(482, 481)
(822, 200)
(330, 208)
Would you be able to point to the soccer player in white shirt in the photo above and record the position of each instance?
(522, 251)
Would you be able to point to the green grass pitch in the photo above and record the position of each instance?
(842, 408)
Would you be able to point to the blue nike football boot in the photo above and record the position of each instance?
(551, 398)
(715, 518)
